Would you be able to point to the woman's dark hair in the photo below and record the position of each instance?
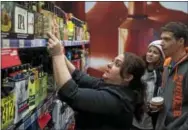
(136, 66)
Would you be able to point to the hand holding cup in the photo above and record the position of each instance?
(156, 104)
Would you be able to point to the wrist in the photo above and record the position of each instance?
(56, 53)
(57, 56)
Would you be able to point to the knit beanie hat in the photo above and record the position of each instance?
(157, 44)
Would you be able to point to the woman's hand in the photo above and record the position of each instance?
(54, 45)
(154, 108)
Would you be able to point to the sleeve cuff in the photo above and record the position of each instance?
(77, 74)
(68, 90)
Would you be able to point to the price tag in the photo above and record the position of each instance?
(21, 43)
(6, 43)
(69, 43)
(40, 43)
(32, 43)
(65, 43)
(35, 43)
(7, 110)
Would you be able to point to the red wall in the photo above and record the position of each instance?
(105, 18)
(103, 21)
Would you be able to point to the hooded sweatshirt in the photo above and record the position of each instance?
(174, 116)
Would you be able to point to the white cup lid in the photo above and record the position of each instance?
(157, 99)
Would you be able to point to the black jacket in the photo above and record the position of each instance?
(98, 106)
(158, 83)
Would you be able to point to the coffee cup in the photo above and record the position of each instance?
(156, 103)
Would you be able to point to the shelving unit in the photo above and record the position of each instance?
(17, 51)
(33, 114)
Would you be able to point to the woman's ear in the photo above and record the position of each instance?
(128, 77)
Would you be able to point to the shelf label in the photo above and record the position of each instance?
(40, 43)
(7, 110)
(6, 43)
(32, 43)
(21, 43)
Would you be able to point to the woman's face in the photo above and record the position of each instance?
(112, 73)
(153, 55)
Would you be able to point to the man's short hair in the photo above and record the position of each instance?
(178, 29)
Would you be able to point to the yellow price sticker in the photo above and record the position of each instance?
(70, 26)
(7, 110)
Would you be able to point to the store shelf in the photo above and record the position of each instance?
(21, 43)
(33, 115)
(74, 43)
